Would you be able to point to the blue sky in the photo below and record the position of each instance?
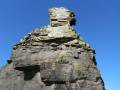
(98, 22)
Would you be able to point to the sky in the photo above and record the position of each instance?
(98, 22)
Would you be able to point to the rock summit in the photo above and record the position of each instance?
(53, 57)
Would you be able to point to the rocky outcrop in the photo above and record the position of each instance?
(52, 58)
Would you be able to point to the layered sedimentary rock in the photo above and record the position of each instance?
(53, 57)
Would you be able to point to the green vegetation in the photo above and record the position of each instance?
(86, 46)
(76, 66)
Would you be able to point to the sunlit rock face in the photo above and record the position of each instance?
(53, 57)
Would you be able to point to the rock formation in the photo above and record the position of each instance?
(52, 58)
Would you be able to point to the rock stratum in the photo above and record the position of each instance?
(53, 57)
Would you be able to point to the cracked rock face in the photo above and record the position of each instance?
(53, 57)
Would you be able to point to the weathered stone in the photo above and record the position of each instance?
(61, 16)
(53, 57)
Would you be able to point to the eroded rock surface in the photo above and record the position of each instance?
(52, 58)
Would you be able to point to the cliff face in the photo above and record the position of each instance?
(52, 58)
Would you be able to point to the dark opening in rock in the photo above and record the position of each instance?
(30, 72)
(73, 22)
